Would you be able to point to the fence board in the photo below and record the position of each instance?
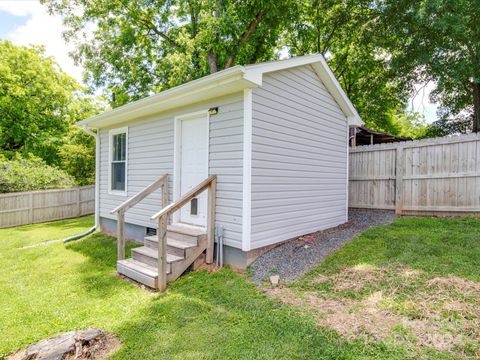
(45, 205)
(440, 175)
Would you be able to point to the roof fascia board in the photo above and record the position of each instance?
(284, 64)
(154, 103)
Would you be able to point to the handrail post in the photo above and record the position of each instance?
(165, 192)
(121, 234)
(212, 195)
(162, 253)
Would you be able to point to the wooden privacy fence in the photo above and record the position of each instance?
(431, 176)
(45, 205)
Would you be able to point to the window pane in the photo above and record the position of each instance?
(119, 147)
(118, 176)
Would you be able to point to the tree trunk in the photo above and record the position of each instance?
(251, 28)
(212, 62)
(476, 106)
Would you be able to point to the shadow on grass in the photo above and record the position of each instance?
(221, 316)
(98, 272)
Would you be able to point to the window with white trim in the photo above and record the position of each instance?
(118, 160)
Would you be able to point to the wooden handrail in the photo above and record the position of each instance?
(186, 198)
(161, 182)
(209, 183)
(127, 204)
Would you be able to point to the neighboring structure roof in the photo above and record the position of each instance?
(222, 83)
(365, 136)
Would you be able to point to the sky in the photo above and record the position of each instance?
(28, 22)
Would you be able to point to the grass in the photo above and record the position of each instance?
(52, 288)
(418, 277)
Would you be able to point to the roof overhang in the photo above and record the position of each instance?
(220, 84)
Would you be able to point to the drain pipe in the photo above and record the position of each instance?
(219, 238)
(97, 188)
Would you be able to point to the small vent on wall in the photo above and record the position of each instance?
(194, 206)
(150, 231)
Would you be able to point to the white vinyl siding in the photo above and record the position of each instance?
(299, 157)
(150, 154)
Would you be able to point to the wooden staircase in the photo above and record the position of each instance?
(185, 243)
(165, 256)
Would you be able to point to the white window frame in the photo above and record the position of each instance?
(111, 133)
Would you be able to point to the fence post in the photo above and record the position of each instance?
(399, 172)
(79, 209)
(30, 208)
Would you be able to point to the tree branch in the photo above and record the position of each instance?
(243, 39)
(152, 27)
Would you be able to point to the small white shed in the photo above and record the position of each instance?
(274, 134)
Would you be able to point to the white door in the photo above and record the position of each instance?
(194, 167)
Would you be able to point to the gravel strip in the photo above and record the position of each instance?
(294, 258)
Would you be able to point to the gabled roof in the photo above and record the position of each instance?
(222, 83)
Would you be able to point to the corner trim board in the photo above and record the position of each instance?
(247, 171)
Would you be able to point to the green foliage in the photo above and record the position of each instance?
(378, 50)
(345, 33)
(34, 101)
(411, 125)
(38, 106)
(31, 173)
(438, 41)
(140, 47)
(450, 125)
(77, 149)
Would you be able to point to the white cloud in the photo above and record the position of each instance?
(41, 28)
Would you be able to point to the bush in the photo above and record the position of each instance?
(31, 173)
(77, 156)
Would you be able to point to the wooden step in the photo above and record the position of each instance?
(149, 256)
(138, 271)
(175, 247)
(185, 243)
(185, 232)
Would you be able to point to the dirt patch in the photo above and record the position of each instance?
(459, 285)
(443, 314)
(408, 273)
(92, 344)
(357, 277)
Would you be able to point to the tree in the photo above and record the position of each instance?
(139, 47)
(35, 96)
(39, 105)
(77, 149)
(346, 33)
(439, 42)
(448, 125)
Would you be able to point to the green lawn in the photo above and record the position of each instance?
(54, 288)
(414, 283)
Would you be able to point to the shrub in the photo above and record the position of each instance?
(31, 173)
